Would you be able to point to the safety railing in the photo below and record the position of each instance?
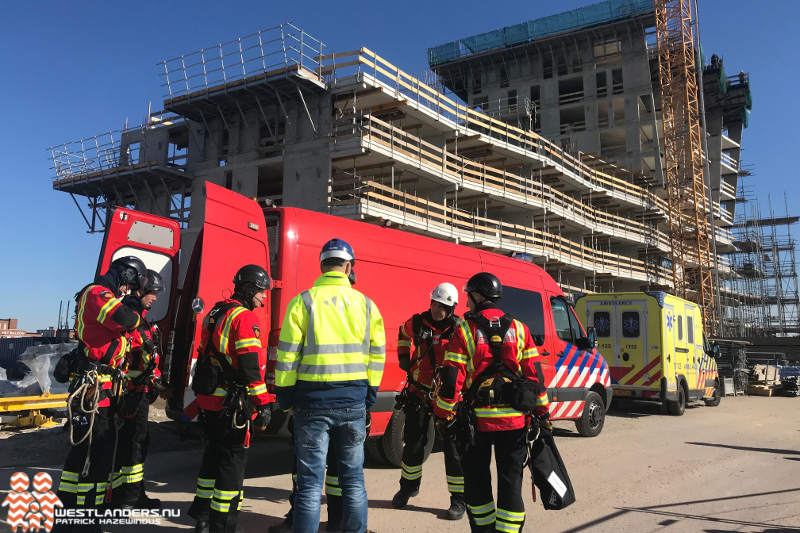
(437, 160)
(444, 220)
(281, 47)
(727, 188)
(106, 151)
(729, 161)
(364, 61)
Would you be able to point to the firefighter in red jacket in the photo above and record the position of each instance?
(491, 361)
(142, 372)
(101, 322)
(430, 333)
(230, 388)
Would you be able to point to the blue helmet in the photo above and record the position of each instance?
(337, 248)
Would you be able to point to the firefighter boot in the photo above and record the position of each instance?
(283, 527)
(335, 513)
(457, 507)
(400, 499)
(201, 526)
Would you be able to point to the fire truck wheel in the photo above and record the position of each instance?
(373, 448)
(392, 439)
(678, 407)
(591, 422)
(714, 400)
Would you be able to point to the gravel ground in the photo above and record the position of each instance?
(735, 467)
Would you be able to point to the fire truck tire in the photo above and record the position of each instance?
(392, 439)
(714, 400)
(591, 422)
(373, 448)
(678, 407)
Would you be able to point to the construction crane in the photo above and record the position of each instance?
(686, 190)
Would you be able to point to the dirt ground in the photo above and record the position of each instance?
(732, 468)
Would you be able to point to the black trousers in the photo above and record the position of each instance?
(134, 440)
(75, 490)
(219, 484)
(510, 452)
(415, 438)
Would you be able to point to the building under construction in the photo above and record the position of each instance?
(544, 140)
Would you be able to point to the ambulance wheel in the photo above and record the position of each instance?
(392, 439)
(678, 407)
(590, 424)
(714, 401)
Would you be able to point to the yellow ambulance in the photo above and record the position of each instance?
(655, 347)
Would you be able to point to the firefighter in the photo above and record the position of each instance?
(430, 334)
(142, 372)
(331, 354)
(491, 361)
(101, 322)
(231, 393)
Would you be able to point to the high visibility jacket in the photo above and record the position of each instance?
(469, 355)
(332, 348)
(100, 324)
(139, 359)
(419, 363)
(237, 337)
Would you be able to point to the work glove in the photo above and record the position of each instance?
(148, 345)
(369, 422)
(263, 417)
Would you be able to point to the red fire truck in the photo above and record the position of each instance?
(396, 269)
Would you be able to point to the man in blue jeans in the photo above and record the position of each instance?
(331, 354)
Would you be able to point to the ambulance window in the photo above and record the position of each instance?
(602, 323)
(526, 306)
(630, 324)
(690, 329)
(561, 314)
(680, 327)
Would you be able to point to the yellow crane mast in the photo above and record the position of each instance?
(683, 154)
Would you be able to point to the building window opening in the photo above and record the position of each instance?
(503, 78)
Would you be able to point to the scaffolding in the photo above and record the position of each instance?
(764, 299)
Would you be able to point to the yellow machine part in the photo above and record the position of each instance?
(34, 405)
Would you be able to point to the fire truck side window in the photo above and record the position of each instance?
(526, 306)
(561, 315)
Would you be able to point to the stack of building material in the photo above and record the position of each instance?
(765, 381)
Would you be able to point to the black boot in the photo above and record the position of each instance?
(457, 508)
(283, 527)
(400, 499)
(201, 526)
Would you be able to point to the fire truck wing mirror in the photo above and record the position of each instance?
(198, 305)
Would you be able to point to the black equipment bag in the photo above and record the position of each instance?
(67, 365)
(213, 368)
(549, 473)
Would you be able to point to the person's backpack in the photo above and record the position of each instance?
(213, 369)
(508, 388)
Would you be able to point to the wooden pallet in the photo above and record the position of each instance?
(763, 390)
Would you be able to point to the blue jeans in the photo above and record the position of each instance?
(346, 430)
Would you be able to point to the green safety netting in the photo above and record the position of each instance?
(723, 79)
(746, 117)
(749, 102)
(592, 15)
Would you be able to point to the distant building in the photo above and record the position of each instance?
(8, 328)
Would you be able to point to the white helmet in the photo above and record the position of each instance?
(446, 294)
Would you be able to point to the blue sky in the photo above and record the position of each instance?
(73, 70)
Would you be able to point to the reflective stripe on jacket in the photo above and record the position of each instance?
(332, 347)
(470, 355)
(237, 338)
